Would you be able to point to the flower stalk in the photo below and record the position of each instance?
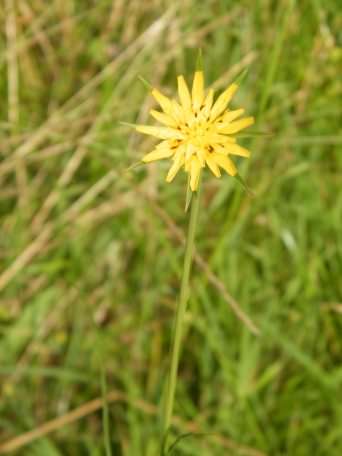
(180, 314)
(197, 131)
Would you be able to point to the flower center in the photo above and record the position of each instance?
(197, 135)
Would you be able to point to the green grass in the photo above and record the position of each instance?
(89, 259)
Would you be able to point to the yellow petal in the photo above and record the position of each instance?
(220, 149)
(208, 102)
(177, 164)
(197, 90)
(177, 112)
(232, 115)
(213, 165)
(238, 125)
(195, 171)
(222, 101)
(189, 118)
(163, 118)
(183, 92)
(167, 144)
(189, 151)
(164, 101)
(235, 149)
(225, 163)
(157, 154)
(159, 132)
(201, 157)
(218, 138)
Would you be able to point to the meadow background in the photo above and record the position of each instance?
(91, 255)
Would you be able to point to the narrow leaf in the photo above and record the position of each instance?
(241, 76)
(134, 166)
(105, 415)
(253, 134)
(244, 185)
(145, 82)
(127, 124)
(199, 60)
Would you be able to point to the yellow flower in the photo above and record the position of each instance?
(197, 131)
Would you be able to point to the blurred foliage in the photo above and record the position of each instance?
(89, 259)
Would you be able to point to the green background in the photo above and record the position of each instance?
(91, 255)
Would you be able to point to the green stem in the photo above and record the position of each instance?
(180, 313)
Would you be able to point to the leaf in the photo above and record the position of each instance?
(244, 185)
(199, 60)
(185, 436)
(145, 82)
(134, 166)
(253, 134)
(164, 443)
(241, 76)
(105, 414)
(127, 124)
(178, 439)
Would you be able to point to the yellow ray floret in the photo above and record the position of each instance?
(197, 90)
(197, 131)
(165, 119)
(157, 154)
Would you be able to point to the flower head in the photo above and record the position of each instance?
(197, 131)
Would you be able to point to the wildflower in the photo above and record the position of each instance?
(197, 131)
